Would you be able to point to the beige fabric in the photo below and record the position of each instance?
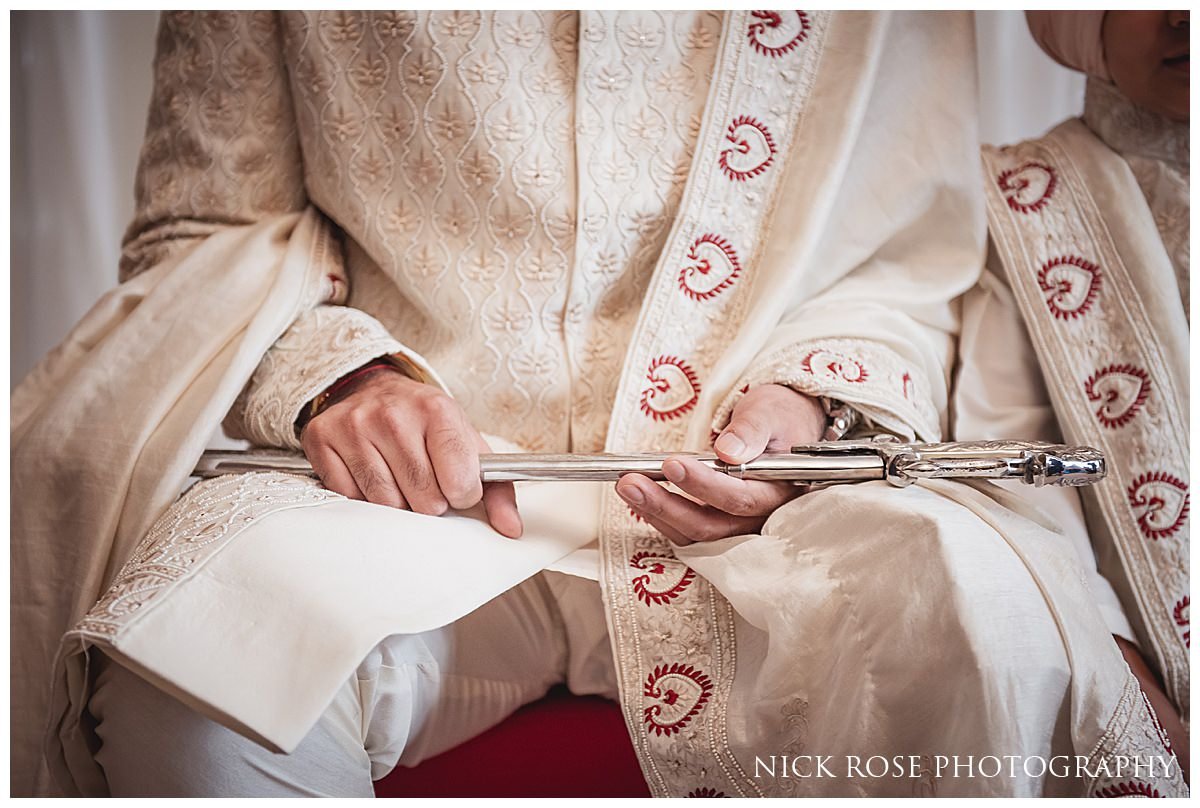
(840, 273)
(1071, 38)
(411, 698)
(1158, 152)
(1099, 297)
(147, 370)
(853, 581)
(510, 248)
(999, 394)
(382, 571)
(838, 600)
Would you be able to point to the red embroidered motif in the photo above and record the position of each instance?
(705, 792)
(1163, 502)
(752, 151)
(677, 693)
(703, 280)
(665, 577)
(906, 385)
(1183, 618)
(843, 368)
(673, 389)
(637, 516)
(1121, 389)
(1133, 788)
(1028, 188)
(775, 34)
(1073, 284)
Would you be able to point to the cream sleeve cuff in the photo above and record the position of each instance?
(319, 348)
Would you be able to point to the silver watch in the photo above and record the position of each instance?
(840, 418)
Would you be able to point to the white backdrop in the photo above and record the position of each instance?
(79, 89)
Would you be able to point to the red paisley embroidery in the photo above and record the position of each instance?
(656, 565)
(767, 24)
(752, 152)
(1143, 497)
(668, 397)
(1183, 618)
(1113, 388)
(1132, 788)
(678, 692)
(846, 368)
(1016, 181)
(705, 793)
(724, 275)
(1073, 284)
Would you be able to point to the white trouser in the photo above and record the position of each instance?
(413, 697)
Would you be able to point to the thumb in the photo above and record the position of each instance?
(747, 434)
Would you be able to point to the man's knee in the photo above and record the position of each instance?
(154, 745)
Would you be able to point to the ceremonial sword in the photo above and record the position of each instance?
(883, 458)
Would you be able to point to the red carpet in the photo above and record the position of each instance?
(561, 746)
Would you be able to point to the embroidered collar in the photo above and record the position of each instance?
(1131, 130)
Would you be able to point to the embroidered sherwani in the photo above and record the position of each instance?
(596, 230)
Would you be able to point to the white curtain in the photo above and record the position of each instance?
(80, 85)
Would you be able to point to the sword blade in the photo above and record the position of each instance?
(496, 468)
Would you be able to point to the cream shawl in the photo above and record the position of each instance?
(107, 428)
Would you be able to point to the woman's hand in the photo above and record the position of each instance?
(391, 440)
(768, 418)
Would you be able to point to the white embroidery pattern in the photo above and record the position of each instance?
(463, 236)
(1133, 735)
(466, 241)
(201, 522)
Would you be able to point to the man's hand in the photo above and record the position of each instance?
(395, 441)
(768, 418)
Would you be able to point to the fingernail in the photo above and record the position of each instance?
(674, 471)
(632, 494)
(730, 444)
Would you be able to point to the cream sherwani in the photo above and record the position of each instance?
(597, 230)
